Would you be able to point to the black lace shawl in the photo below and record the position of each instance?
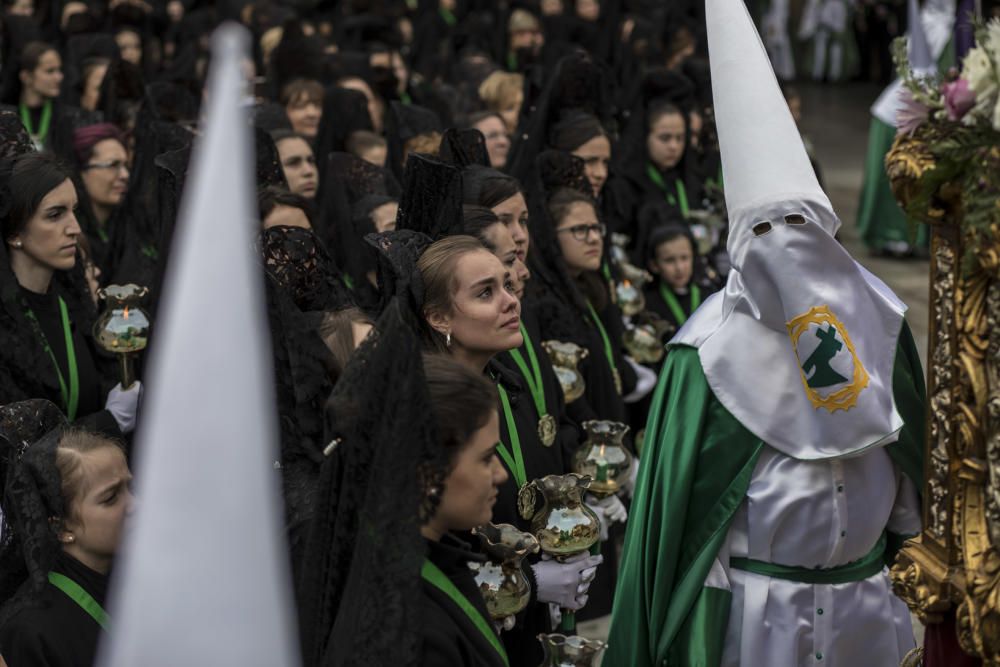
(404, 122)
(122, 93)
(296, 56)
(137, 252)
(464, 148)
(14, 139)
(350, 189)
(361, 575)
(578, 84)
(398, 277)
(632, 185)
(32, 494)
(561, 308)
(296, 261)
(302, 285)
(269, 171)
(171, 173)
(432, 197)
(344, 111)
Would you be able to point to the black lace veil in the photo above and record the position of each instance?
(350, 189)
(361, 573)
(464, 148)
(432, 197)
(32, 493)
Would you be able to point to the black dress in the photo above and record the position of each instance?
(521, 641)
(56, 632)
(90, 411)
(450, 639)
(539, 460)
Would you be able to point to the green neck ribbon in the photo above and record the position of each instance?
(433, 575)
(515, 460)
(44, 122)
(674, 305)
(608, 351)
(71, 394)
(532, 376)
(680, 200)
(76, 593)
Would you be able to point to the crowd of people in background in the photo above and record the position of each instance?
(448, 191)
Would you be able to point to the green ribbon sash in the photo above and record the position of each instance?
(514, 460)
(81, 597)
(433, 575)
(679, 199)
(867, 566)
(532, 376)
(71, 394)
(674, 305)
(44, 122)
(608, 352)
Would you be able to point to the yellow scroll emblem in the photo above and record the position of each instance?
(827, 382)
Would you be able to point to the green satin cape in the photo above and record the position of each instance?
(695, 471)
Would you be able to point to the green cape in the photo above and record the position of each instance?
(695, 471)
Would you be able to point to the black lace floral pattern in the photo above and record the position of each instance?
(361, 573)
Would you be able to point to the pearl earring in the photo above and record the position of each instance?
(447, 339)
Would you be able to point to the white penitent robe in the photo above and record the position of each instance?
(817, 514)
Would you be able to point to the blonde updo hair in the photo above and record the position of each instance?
(437, 266)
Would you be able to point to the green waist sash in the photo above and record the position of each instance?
(868, 565)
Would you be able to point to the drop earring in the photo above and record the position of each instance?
(447, 339)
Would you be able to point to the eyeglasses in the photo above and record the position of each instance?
(582, 232)
(114, 165)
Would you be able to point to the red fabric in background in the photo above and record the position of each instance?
(941, 647)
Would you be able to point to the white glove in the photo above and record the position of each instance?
(566, 583)
(633, 475)
(645, 381)
(609, 510)
(122, 404)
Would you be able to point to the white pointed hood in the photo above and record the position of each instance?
(203, 578)
(928, 32)
(801, 343)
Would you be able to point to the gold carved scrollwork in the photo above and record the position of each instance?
(955, 563)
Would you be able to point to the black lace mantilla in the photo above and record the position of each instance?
(361, 574)
(298, 262)
(32, 493)
(398, 253)
(432, 197)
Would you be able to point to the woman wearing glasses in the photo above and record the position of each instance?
(579, 236)
(102, 165)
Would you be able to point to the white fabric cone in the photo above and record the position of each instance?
(800, 344)
(754, 124)
(203, 576)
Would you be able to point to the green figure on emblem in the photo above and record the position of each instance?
(820, 360)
